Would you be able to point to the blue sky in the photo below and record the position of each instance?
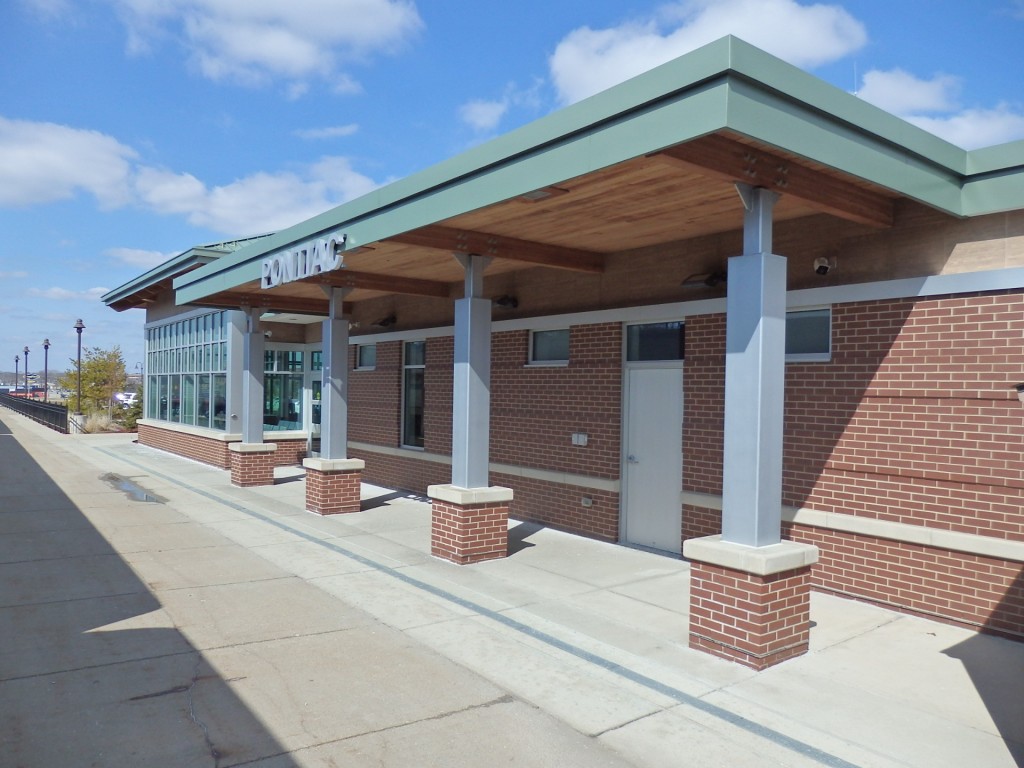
(131, 130)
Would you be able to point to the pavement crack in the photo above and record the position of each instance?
(190, 698)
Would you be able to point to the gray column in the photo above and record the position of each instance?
(252, 379)
(754, 381)
(334, 391)
(234, 407)
(471, 408)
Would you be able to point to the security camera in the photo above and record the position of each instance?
(822, 266)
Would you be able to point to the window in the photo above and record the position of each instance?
(366, 357)
(655, 341)
(809, 335)
(549, 347)
(180, 365)
(283, 389)
(413, 366)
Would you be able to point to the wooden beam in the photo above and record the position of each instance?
(269, 302)
(454, 240)
(722, 158)
(345, 278)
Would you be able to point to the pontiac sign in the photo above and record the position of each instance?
(306, 260)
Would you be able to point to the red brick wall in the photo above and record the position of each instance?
(329, 493)
(468, 534)
(979, 591)
(215, 452)
(913, 421)
(375, 398)
(703, 406)
(400, 472)
(204, 449)
(252, 469)
(560, 506)
(535, 409)
(757, 621)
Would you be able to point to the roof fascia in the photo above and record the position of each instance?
(173, 266)
(996, 183)
(727, 84)
(681, 100)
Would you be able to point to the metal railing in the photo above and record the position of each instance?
(48, 414)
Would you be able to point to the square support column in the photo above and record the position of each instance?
(334, 388)
(333, 485)
(252, 464)
(469, 525)
(755, 373)
(750, 605)
(252, 379)
(469, 519)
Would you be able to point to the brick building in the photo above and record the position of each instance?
(722, 309)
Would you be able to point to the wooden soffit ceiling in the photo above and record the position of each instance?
(682, 192)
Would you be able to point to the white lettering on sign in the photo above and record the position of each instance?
(307, 260)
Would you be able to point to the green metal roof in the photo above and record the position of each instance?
(177, 265)
(726, 85)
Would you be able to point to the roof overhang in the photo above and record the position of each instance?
(651, 161)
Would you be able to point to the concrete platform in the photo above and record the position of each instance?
(153, 614)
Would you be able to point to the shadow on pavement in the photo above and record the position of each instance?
(92, 671)
(996, 668)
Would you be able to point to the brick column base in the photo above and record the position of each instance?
(750, 605)
(469, 525)
(332, 485)
(252, 464)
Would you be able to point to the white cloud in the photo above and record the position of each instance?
(42, 163)
(255, 41)
(137, 257)
(48, 8)
(63, 294)
(329, 132)
(974, 128)
(483, 115)
(934, 106)
(902, 93)
(45, 162)
(587, 61)
(260, 202)
(17, 275)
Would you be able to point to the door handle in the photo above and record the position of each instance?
(632, 459)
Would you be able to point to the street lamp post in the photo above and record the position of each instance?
(79, 327)
(17, 359)
(28, 395)
(46, 370)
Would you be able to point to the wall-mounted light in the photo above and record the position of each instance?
(536, 195)
(1020, 391)
(506, 302)
(384, 322)
(708, 279)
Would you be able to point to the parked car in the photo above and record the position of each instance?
(127, 399)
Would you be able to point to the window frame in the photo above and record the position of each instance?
(812, 357)
(531, 359)
(359, 357)
(407, 367)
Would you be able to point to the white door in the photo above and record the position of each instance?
(654, 458)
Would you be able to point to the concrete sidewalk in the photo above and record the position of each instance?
(151, 614)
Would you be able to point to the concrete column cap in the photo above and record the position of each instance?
(334, 465)
(467, 496)
(759, 561)
(252, 447)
